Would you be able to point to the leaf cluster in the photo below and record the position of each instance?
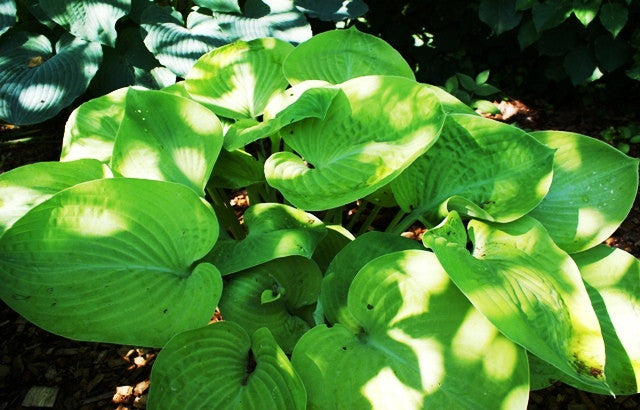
(131, 238)
(51, 51)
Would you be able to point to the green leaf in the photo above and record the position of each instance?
(91, 20)
(304, 100)
(486, 106)
(166, 138)
(27, 186)
(130, 63)
(266, 18)
(236, 169)
(594, 186)
(478, 167)
(586, 10)
(275, 231)
(611, 277)
(482, 77)
(467, 82)
(332, 10)
(420, 344)
(225, 6)
(581, 67)
(8, 15)
(220, 366)
(336, 239)
(524, 4)
(528, 288)
(341, 55)
(373, 130)
(527, 34)
(290, 284)
(550, 14)
(611, 53)
(450, 103)
(91, 129)
(613, 17)
(346, 264)
(238, 80)
(176, 46)
(500, 15)
(113, 251)
(36, 82)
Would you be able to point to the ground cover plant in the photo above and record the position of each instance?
(104, 45)
(130, 238)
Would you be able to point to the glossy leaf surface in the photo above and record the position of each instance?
(112, 260)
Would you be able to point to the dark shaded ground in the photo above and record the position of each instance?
(103, 376)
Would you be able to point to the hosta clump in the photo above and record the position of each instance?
(131, 238)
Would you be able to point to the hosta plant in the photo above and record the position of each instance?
(51, 51)
(131, 238)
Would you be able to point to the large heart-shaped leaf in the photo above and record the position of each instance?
(8, 15)
(528, 288)
(112, 260)
(612, 278)
(269, 295)
(336, 239)
(346, 264)
(167, 138)
(420, 344)
(220, 366)
(266, 18)
(374, 129)
(35, 83)
(236, 169)
(176, 46)
(25, 187)
(275, 231)
(91, 129)
(332, 10)
(91, 20)
(594, 186)
(238, 80)
(341, 55)
(226, 6)
(478, 167)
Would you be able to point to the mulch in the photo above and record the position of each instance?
(39, 369)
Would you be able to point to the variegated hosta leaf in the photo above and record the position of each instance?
(25, 187)
(594, 186)
(275, 231)
(238, 80)
(36, 82)
(178, 47)
(112, 260)
(332, 10)
(340, 55)
(91, 20)
(528, 288)
(225, 6)
(374, 129)
(305, 100)
(8, 15)
(346, 264)
(270, 295)
(166, 138)
(612, 278)
(480, 168)
(220, 366)
(266, 18)
(419, 344)
(91, 129)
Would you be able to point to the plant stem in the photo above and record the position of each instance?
(396, 219)
(333, 216)
(356, 215)
(367, 223)
(225, 212)
(404, 223)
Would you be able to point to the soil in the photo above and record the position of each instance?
(66, 374)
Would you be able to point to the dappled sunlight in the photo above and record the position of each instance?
(624, 311)
(517, 398)
(385, 391)
(15, 201)
(473, 337)
(501, 359)
(430, 355)
(590, 222)
(570, 151)
(90, 221)
(363, 88)
(191, 162)
(141, 160)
